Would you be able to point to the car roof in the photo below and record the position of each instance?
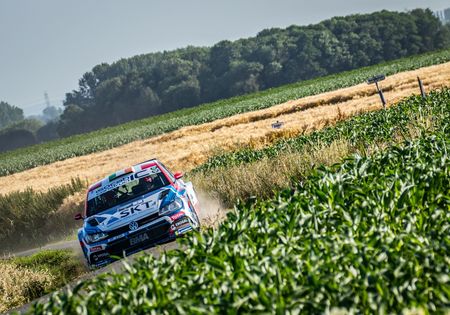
(133, 169)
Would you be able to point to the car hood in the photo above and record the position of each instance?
(132, 210)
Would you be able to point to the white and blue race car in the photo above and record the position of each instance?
(133, 209)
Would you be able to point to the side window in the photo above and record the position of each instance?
(169, 173)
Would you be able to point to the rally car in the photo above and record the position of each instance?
(134, 209)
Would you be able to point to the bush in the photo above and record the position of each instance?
(19, 285)
(24, 279)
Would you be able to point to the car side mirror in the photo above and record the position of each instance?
(178, 175)
(78, 216)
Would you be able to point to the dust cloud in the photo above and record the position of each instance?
(211, 212)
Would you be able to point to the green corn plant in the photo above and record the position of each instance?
(368, 235)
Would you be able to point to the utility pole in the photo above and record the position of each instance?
(47, 99)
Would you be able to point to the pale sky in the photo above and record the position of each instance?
(47, 45)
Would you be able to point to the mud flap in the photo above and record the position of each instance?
(191, 193)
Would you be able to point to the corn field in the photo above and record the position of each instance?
(368, 235)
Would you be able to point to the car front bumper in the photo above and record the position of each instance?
(159, 231)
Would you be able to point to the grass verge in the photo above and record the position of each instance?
(262, 178)
(24, 279)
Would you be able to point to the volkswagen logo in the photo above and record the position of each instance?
(133, 225)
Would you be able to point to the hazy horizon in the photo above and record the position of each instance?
(48, 45)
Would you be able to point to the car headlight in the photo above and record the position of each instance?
(93, 238)
(174, 205)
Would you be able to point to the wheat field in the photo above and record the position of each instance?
(190, 146)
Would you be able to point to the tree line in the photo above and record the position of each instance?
(17, 131)
(156, 83)
(161, 82)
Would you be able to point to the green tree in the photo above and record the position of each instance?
(73, 121)
(9, 114)
(16, 138)
(48, 132)
(430, 29)
(29, 124)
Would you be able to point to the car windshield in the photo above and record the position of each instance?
(124, 193)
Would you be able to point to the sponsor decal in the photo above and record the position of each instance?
(97, 257)
(120, 182)
(135, 207)
(129, 210)
(138, 239)
(181, 222)
(177, 215)
(96, 249)
(124, 180)
(148, 171)
(112, 239)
